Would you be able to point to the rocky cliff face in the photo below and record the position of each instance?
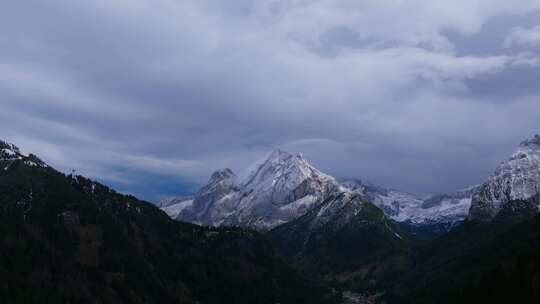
(517, 178)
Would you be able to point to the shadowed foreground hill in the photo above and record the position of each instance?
(478, 262)
(346, 238)
(66, 239)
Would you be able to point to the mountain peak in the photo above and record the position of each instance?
(533, 141)
(279, 154)
(282, 165)
(222, 174)
(274, 190)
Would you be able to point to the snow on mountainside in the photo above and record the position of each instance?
(448, 208)
(406, 207)
(339, 234)
(517, 178)
(282, 187)
(9, 153)
(215, 201)
(173, 206)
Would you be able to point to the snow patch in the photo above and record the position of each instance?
(174, 210)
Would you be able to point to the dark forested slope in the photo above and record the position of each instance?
(67, 239)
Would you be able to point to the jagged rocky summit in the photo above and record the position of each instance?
(279, 189)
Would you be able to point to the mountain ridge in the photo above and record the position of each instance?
(282, 187)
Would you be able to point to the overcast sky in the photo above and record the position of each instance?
(151, 96)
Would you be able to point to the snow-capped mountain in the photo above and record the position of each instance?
(283, 178)
(280, 188)
(283, 187)
(517, 178)
(406, 207)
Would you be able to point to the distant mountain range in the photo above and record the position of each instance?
(283, 187)
(367, 237)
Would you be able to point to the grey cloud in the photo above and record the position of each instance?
(172, 90)
(523, 37)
